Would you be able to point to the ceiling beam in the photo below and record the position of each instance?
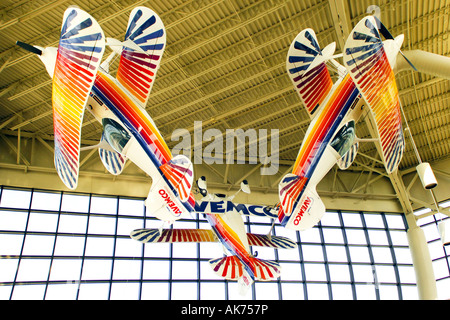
(342, 23)
(173, 57)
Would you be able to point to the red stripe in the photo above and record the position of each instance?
(139, 70)
(133, 87)
(131, 115)
(76, 65)
(134, 76)
(73, 70)
(331, 111)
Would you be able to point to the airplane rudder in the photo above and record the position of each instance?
(180, 174)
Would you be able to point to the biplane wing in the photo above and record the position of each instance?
(306, 67)
(347, 159)
(137, 68)
(206, 235)
(368, 62)
(275, 242)
(173, 235)
(80, 50)
(113, 161)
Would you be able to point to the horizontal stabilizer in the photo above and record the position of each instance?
(276, 242)
(231, 268)
(206, 235)
(173, 235)
(306, 66)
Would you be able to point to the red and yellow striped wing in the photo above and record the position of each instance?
(137, 70)
(366, 61)
(80, 50)
(312, 85)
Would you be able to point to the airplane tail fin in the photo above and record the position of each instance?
(289, 191)
(171, 193)
(80, 50)
(301, 207)
(231, 268)
(179, 172)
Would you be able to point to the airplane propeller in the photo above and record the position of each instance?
(29, 47)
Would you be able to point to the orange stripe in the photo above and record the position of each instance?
(320, 124)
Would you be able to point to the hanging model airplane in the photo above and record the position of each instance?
(227, 228)
(366, 79)
(81, 81)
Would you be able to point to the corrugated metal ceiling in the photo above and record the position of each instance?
(224, 65)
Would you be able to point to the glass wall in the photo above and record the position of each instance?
(56, 245)
(440, 254)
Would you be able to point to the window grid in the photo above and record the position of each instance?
(372, 261)
(321, 269)
(347, 252)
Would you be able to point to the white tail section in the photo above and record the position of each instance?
(179, 172)
(163, 203)
(290, 189)
(307, 212)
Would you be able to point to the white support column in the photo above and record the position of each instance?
(418, 246)
(426, 281)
